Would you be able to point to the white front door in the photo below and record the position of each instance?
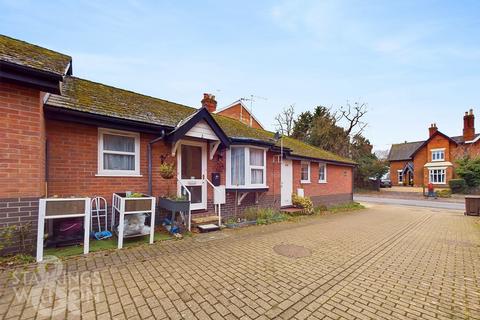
(286, 183)
(192, 170)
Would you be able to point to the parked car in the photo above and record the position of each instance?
(385, 183)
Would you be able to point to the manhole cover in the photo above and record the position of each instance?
(292, 251)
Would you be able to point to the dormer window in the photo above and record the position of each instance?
(438, 154)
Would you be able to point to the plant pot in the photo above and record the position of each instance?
(174, 205)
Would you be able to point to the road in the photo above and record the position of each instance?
(411, 202)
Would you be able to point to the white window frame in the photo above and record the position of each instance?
(118, 173)
(324, 180)
(444, 174)
(248, 169)
(400, 176)
(437, 152)
(309, 171)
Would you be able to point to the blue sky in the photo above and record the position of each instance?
(413, 62)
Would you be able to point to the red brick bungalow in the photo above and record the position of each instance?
(433, 160)
(62, 135)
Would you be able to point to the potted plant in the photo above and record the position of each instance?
(171, 202)
(174, 203)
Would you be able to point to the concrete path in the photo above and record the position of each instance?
(432, 203)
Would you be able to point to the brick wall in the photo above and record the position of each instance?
(394, 167)
(339, 180)
(21, 142)
(239, 113)
(22, 156)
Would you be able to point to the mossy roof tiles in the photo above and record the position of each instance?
(31, 56)
(87, 96)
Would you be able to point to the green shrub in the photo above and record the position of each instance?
(457, 185)
(444, 193)
(251, 214)
(469, 169)
(321, 208)
(304, 203)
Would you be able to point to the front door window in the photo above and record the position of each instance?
(192, 162)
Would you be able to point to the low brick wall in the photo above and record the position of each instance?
(16, 211)
(329, 200)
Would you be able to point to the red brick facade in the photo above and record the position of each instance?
(453, 150)
(72, 167)
(238, 112)
(71, 161)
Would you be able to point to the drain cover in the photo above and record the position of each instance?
(292, 251)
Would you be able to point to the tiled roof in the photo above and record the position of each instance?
(459, 139)
(403, 151)
(31, 56)
(95, 98)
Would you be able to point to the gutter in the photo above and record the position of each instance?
(149, 155)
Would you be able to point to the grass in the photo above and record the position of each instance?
(18, 259)
(352, 206)
(107, 244)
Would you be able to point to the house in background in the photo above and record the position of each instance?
(433, 160)
(239, 111)
(66, 136)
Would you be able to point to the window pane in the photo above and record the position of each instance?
(257, 176)
(191, 162)
(256, 157)
(321, 172)
(118, 162)
(238, 166)
(118, 143)
(304, 172)
(196, 193)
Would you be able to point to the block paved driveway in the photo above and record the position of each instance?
(384, 262)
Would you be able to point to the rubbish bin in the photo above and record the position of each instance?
(472, 205)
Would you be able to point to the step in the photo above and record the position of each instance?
(204, 220)
(208, 227)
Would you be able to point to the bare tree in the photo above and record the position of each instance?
(284, 121)
(352, 116)
(382, 154)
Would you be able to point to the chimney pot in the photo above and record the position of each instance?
(432, 129)
(209, 102)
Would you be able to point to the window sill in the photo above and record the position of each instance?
(322, 182)
(304, 182)
(118, 175)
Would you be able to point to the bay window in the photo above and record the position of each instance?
(305, 172)
(322, 173)
(437, 176)
(246, 167)
(118, 153)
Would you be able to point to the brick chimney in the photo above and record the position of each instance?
(433, 128)
(209, 102)
(469, 126)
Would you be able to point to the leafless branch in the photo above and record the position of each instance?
(284, 121)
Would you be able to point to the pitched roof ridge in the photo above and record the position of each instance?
(132, 92)
(35, 45)
(408, 142)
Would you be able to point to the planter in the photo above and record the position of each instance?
(174, 205)
(240, 224)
